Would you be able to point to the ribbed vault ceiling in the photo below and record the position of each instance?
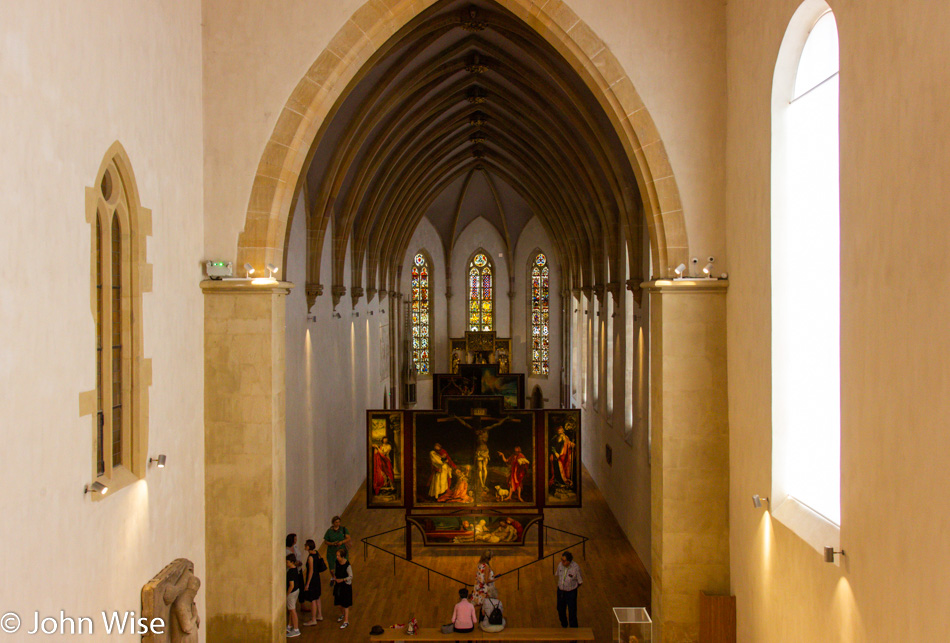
(468, 112)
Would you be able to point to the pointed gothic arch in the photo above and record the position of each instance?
(365, 37)
(119, 275)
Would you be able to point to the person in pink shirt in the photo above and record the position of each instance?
(463, 618)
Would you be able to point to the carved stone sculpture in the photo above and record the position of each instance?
(170, 596)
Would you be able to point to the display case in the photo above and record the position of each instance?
(632, 625)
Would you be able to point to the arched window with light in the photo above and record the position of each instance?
(480, 302)
(540, 314)
(805, 274)
(421, 313)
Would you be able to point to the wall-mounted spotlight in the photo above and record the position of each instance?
(271, 270)
(248, 270)
(96, 487)
(680, 269)
(709, 267)
(830, 554)
(757, 501)
(382, 311)
(356, 313)
(159, 461)
(371, 312)
(336, 315)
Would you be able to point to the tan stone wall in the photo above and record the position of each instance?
(245, 460)
(894, 407)
(77, 77)
(690, 457)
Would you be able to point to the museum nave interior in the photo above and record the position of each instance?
(330, 145)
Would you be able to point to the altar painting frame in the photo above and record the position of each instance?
(464, 530)
(391, 425)
(459, 438)
(558, 493)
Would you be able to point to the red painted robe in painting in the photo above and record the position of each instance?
(445, 454)
(518, 468)
(382, 468)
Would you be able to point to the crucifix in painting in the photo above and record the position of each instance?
(474, 453)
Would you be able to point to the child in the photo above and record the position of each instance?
(293, 591)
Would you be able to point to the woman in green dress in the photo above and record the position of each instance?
(337, 537)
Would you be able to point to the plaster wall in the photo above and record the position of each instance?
(894, 84)
(76, 78)
(532, 239)
(673, 52)
(334, 373)
(625, 482)
(426, 237)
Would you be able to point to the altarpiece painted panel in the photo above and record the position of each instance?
(474, 456)
(384, 475)
(562, 473)
(478, 530)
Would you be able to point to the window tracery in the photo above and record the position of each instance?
(480, 301)
(540, 315)
(421, 314)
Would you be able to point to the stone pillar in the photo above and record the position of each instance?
(690, 452)
(245, 462)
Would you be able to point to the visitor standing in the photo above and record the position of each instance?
(484, 579)
(343, 588)
(569, 578)
(336, 538)
(294, 548)
(310, 599)
(293, 592)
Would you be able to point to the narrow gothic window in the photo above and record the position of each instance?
(480, 313)
(421, 312)
(116, 343)
(539, 315)
(119, 225)
(100, 384)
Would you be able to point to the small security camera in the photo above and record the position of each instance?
(712, 259)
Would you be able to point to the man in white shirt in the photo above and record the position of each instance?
(569, 578)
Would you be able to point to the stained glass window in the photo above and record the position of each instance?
(420, 313)
(480, 312)
(540, 313)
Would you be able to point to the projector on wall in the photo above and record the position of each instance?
(218, 269)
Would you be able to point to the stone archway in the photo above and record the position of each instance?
(365, 35)
(245, 365)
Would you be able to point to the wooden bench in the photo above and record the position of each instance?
(508, 634)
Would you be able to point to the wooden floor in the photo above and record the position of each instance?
(613, 574)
